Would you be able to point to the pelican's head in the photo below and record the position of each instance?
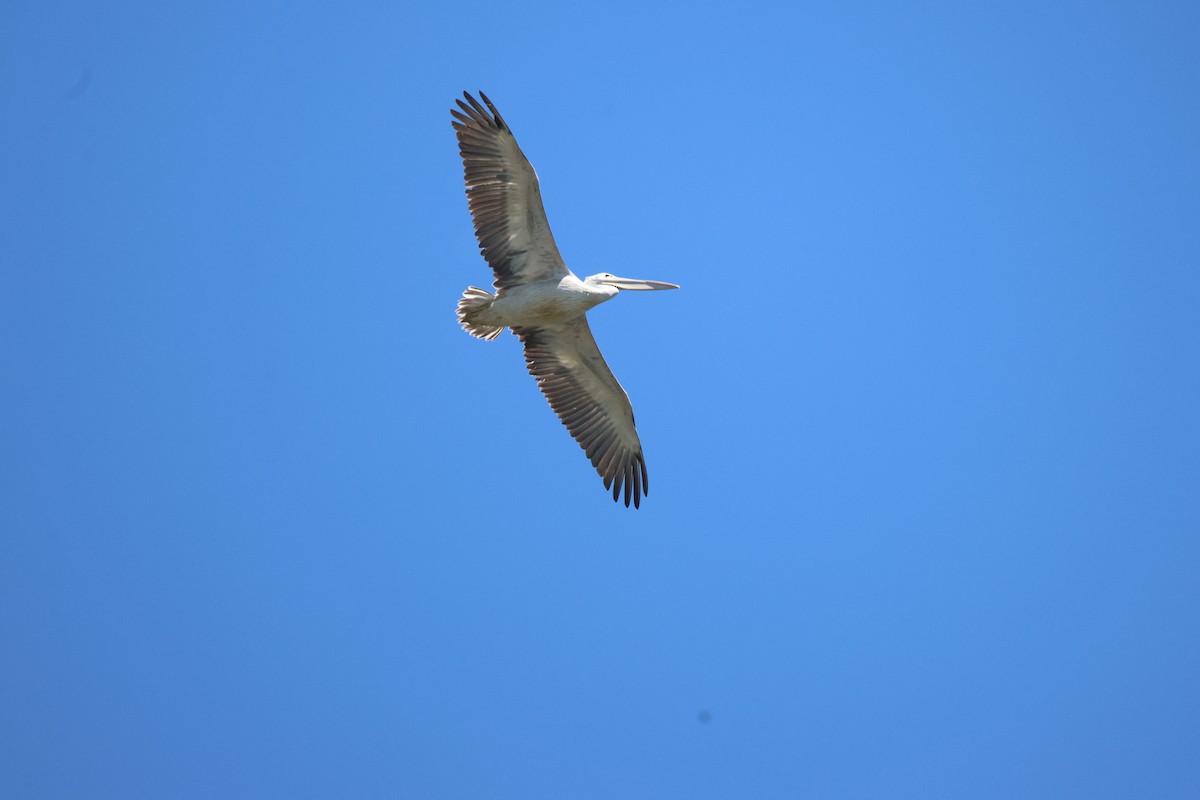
(608, 279)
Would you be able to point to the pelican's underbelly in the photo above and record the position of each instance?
(539, 304)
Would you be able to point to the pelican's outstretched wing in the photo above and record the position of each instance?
(503, 195)
(583, 392)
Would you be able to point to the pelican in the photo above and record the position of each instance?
(542, 301)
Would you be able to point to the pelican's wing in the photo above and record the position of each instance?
(583, 392)
(503, 195)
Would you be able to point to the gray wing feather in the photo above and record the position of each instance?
(587, 398)
(504, 198)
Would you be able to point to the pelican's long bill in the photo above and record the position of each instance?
(542, 301)
(634, 284)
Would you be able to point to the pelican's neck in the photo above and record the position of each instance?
(596, 291)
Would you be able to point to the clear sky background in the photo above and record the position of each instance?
(922, 425)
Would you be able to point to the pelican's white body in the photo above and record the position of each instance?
(542, 303)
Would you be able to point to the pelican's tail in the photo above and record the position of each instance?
(475, 300)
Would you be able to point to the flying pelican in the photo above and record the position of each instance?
(543, 302)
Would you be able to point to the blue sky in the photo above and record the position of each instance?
(921, 424)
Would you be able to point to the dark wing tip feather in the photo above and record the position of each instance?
(495, 113)
(476, 114)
